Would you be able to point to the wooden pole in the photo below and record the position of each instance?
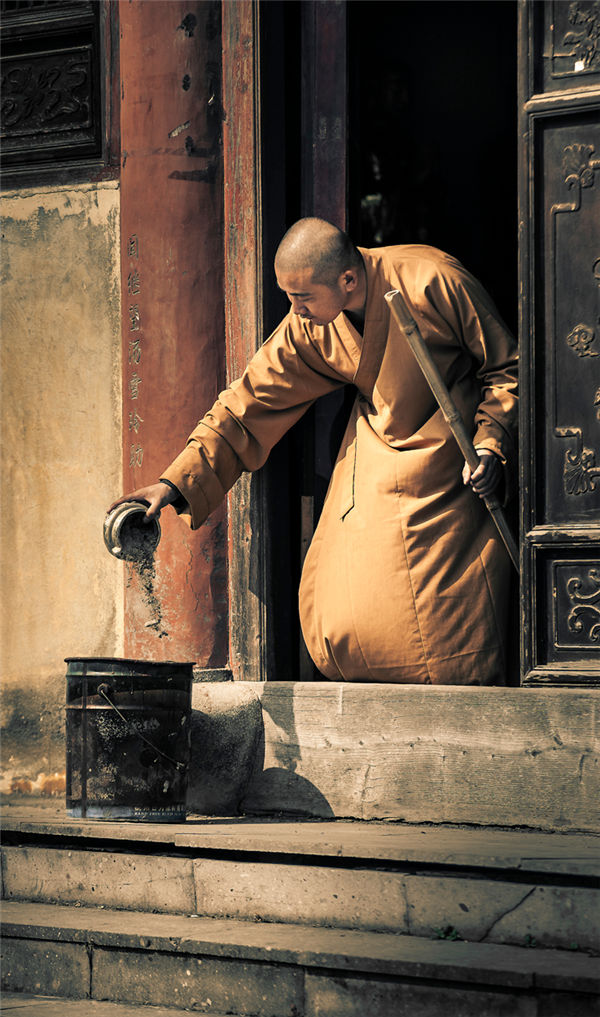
(453, 418)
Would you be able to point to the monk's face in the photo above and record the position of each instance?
(313, 300)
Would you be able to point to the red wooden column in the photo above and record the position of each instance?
(248, 571)
(172, 297)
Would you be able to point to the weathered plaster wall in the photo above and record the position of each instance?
(61, 461)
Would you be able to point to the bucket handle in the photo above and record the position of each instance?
(103, 691)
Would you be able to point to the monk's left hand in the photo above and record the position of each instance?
(486, 478)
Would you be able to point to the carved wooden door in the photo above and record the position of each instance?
(560, 332)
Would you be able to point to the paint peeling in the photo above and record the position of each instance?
(178, 130)
(188, 25)
(45, 785)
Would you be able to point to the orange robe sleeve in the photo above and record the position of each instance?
(280, 383)
(469, 310)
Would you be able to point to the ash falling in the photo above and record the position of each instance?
(138, 542)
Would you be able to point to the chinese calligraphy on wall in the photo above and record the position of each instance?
(134, 319)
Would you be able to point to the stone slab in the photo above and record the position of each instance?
(22, 1005)
(434, 754)
(114, 880)
(207, 984)
(447, 845)
(45, 966)
(304, 894)
(488, 911)
(342, 950)
(356, 997)
(477, 909)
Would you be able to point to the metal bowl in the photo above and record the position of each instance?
(127, 536)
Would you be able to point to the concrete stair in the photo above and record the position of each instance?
(277, 918)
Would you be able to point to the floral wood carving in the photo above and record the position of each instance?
(585, 612)
(580, 473)
(580, 339)
(578, 165)
(597, 403)
(47, 93)
(584, 40)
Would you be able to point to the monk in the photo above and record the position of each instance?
(406, 579)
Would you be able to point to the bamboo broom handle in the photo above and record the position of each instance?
(453, 418)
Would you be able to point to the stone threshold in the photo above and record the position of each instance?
(499, 757)
(519, 851)
(342, 950)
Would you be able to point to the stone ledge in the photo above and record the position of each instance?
(523, 851)
(341, 950)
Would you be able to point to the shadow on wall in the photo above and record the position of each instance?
(234, 768)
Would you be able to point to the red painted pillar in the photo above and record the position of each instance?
(173, 314)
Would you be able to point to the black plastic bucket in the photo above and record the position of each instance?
(128, 739)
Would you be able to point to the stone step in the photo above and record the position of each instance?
(20, 1004)
(219, 966)
(485, 886)
(420, 754)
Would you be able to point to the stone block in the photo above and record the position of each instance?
(47, 968)
(114, 880)
(487, 756)
(335, 996)
(226, 734)
(203, 984)
(567, 1004)
(503, 912)
(553, 916)
(359, 899)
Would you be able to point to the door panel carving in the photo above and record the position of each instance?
(560, 343)
(570, 172)
(570, 33)
(575, 594)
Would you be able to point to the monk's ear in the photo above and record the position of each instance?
(349, 279)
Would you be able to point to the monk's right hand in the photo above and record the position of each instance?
(156, 496)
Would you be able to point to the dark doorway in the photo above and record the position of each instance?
(433, 133)
(432, 159)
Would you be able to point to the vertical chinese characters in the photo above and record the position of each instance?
(134, 319)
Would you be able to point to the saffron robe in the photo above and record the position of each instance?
(406, 579)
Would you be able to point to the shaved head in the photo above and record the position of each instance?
(317, 245)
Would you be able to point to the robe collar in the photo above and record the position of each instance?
(377, 315)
